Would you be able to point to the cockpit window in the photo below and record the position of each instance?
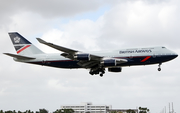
(163, 47)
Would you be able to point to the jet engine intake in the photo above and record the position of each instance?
(82, 56)
(115, 69)
(109, 62)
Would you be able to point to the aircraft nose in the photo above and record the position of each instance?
(175, 55)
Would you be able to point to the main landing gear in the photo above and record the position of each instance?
(159, 69)
(99, 71)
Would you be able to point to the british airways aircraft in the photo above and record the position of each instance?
(95, 61)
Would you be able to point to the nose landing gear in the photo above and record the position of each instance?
(159, 69)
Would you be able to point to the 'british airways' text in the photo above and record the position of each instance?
(135, 51)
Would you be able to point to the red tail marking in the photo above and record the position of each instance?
(145, 58)
(23, 48)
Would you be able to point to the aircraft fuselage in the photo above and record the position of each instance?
(139, 56)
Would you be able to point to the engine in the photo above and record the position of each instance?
(82, 57)
(109, 62)
(116, 69)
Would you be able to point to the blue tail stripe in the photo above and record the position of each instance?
(16, 38)
(18, 47)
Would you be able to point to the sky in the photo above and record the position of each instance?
(90, 25)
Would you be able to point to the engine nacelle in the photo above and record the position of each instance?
(109, 62)
(82, 56)
(115, 69)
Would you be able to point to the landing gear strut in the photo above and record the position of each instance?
(159, 69)
(99, 71)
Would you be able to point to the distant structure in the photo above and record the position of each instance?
(88, 107)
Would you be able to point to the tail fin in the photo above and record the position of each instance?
(22, 45)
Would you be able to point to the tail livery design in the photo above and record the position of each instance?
(23, 46)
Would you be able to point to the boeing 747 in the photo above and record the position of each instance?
(95, 61)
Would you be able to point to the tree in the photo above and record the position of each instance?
(113, 111)
(58, 111)
(64, 111)
(9, 111)
(68, 110)
(130, 111)
(43, 111)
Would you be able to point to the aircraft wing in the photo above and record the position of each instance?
(91, 60)
(19, 56)
(63, 49)
(68, 53)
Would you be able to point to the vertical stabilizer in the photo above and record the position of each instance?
(22, 45)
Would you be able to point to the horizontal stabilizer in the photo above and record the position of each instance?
(19, 56)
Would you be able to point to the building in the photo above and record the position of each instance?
(87, 107)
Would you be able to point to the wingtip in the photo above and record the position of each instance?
(40, 40)
(6, 53)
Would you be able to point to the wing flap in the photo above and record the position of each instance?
(95, 57)
(88, 64)
(19, 56)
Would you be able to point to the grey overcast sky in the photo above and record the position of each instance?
(90, 25)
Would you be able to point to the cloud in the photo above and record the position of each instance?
(51, 9)
(125, 24)
(141, 24)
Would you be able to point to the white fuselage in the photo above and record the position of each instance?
(134, 56)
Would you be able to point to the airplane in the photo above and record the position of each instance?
(96, 62)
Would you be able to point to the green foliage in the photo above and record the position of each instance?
(40, 111)
(58, 111)
(27, 111)
(64, 111)
(130, 111)
(113, 111)
(68, 111)
(43, 111)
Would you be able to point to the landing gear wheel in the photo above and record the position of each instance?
(91, 73)
(96, 71)
(159, 69)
